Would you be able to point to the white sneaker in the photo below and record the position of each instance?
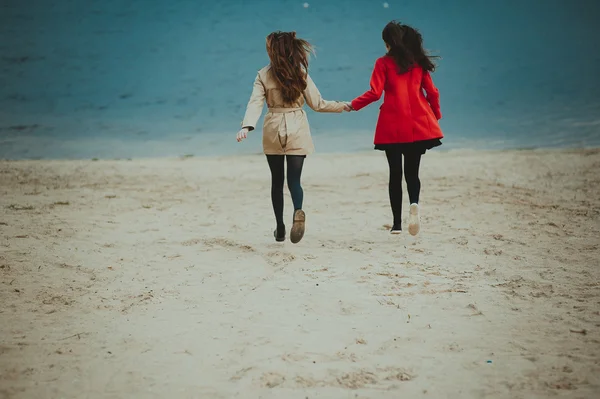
(414, 221)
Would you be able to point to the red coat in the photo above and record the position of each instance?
(406, 115)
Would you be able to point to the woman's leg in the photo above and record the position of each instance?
(294, 174)
(412, 162)
(411, 173)
(276, 164)
(394, 158)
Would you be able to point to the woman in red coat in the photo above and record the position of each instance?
(408, 118)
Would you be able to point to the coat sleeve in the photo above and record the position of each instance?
(255, 104)
(377, 84)
(433, 94)
(316, 102)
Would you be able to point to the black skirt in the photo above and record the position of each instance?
(418, 147)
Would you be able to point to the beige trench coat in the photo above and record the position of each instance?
(285, 128)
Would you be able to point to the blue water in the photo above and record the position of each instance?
(128, 78)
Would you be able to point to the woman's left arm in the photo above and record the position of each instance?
(377, 84)
(255, 105)
(433, 94)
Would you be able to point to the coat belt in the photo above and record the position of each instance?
(283, 110)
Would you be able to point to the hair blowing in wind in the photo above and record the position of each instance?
(406, 47)
(289, 63)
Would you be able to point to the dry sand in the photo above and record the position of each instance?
(161, 279)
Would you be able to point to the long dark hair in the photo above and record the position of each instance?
(406, 47)
(289, 63)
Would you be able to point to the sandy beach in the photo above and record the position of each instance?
(159, 278)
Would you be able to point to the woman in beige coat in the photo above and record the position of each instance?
(285, 85)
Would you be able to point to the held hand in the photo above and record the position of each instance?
(242, 134)
(348, 107)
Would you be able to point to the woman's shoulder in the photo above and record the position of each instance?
(385, 59)
(264, 70)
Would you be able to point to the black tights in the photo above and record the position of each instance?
(411, 174)
(294, 172)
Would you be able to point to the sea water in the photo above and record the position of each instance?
(133, 78)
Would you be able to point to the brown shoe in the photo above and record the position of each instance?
(297, 231)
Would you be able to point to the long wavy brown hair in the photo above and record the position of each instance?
(289, 63)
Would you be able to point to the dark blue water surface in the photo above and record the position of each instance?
(120, 78)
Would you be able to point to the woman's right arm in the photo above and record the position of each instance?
(316, 102)
(377, 85)
(255, 105)
(433, 94)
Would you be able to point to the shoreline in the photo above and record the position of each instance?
(190, 155)
(223, 144)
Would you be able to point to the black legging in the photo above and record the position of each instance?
(411, 174)
(294, 172)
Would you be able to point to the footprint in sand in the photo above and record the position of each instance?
(271, 380)
(218, 242)
(240, 374)
(362, 378)
(293, 357)
(278, 258)
(492, 251)
(358, 379)
(347, 309)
